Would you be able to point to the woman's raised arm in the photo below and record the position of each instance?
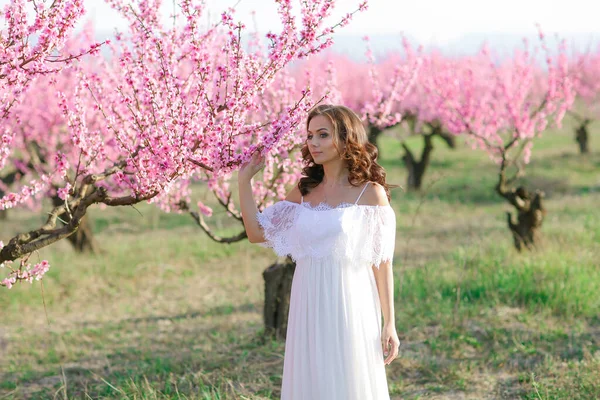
(247, 204)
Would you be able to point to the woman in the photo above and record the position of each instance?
(338, 226)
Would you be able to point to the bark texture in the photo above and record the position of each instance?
(278, 287)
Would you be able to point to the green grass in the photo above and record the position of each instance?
(561, 283)
(165, 313)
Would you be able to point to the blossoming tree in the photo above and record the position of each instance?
(374, 88)
(586, 71)
(283, 166)
(421, 118)
(178, 103)
(497, 105)
(22, 59)
(42, 134)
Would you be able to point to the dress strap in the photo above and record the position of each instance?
(361, 193)
(301, 199)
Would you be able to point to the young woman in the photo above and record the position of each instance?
(338, 226)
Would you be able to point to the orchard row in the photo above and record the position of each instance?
(179, 103)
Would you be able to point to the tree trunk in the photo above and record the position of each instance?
(581, 136)
(416, 169)
(526, 230)
(374, 134)
(278, 286)
(530, 212)
(83, 238)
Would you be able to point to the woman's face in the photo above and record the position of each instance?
(319, 139)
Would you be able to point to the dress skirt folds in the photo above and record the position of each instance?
(333, 346)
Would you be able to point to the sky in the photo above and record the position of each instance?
(429, 21)
(440, 23)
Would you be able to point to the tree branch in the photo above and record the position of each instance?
(233, 239)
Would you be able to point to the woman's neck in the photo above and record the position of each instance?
(335, 174)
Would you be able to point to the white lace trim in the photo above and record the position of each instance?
(360, 234)
(277, 222)
(322, 206)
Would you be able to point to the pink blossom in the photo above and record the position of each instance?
(205, 210)
(8, 282)
(63, 193)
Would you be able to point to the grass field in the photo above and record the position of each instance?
(164, 313)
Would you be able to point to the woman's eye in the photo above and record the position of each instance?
(309, 137)
(323, 135)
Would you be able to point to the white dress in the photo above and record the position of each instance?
(333, 345)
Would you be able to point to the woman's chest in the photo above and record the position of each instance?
(326, 226)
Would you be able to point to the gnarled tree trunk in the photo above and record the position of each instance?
(83, 238)
(526, 229)
(530, 213)
(416, 168)
(278, 287)
(581, 136)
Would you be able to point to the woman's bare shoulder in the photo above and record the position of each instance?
(294, 195)
(374, 195)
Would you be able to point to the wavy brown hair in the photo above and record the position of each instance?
(359, 154)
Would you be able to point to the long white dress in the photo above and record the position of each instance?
(333, 342)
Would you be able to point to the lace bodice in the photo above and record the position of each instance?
(359, 234)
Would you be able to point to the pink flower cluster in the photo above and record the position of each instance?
(24, 273)
(27, 274)
(586, 72)
(22, 60)
(499, 103)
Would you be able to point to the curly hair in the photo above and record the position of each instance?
(359, 154)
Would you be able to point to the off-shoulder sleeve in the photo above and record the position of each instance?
(383, 228)
(277, 222)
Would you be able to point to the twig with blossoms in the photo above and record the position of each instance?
(283, 167)
(25, 272)
(383, 107)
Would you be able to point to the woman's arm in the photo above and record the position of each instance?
(390, 343)
(247, 204)
(384, 277)
(375, 196)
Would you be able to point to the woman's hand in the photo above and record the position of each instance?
(390, 343)
(251, 168)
